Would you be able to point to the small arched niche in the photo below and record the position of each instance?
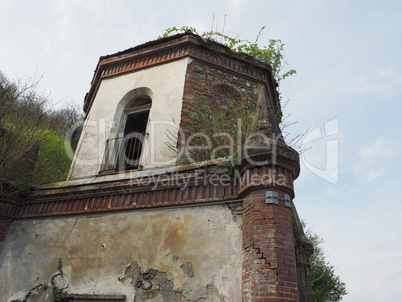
(225, 94)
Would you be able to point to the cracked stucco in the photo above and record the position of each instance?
(197, 248)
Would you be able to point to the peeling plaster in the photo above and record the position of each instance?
(195, 251)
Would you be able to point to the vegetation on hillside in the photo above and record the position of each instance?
(326, 286)
(32, 144)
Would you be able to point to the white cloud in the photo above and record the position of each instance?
(373, 174)
(383, 81)
(46, 45)
(392, 74)
(236, 7)
(378, 150)
(363, 83)
(371, 164)
(336, 190)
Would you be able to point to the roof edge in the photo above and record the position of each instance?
(116, 63)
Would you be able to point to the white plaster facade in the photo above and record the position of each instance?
(95, 251)
(164, 84)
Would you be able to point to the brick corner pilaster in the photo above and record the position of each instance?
(269, 258)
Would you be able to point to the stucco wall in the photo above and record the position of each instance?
(164, 84)
(195, 252)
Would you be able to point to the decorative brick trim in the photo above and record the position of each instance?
(124, 196)
(170, 49)
(7, 209)
(143, 61)
(225, 62)
(266, 176)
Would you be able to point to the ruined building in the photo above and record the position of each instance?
(134, 222)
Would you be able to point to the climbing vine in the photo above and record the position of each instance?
(229, 125)
(59, 295)
(271, 53)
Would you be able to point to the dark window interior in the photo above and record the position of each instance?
(124, 153)
(136, 122)
(134, 133)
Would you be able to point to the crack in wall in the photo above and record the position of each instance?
(69, 233)
(99, 267)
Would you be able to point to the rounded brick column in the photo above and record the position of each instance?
(269, 261)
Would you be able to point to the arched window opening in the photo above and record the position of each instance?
(124, 152)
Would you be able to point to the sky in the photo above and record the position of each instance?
(347, 92)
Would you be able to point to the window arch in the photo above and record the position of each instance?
(225, 94)
(134, 131)
(124, 151)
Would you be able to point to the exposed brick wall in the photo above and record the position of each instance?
(201, 78)
(269, 264)
(270, 254)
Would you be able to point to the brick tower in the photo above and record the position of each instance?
(134, 222)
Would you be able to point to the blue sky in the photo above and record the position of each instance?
(348, 90)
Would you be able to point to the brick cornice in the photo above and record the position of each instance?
(7, 208)
(133, 194)
(174, 48)
(278, 167)
(166, 190)
(267, 176)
